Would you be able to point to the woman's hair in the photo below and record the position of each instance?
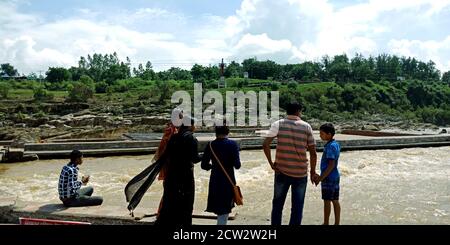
(222, 130)
(189, 119)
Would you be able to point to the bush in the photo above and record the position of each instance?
(40, 114)
(4, 91)
(19, 117)
(41, 94)
(292, 85)
(274, 86)
(145, 96)
(27, 84)
(58, 86)
(100, 88)
(80, 92)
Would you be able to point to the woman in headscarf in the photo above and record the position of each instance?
(220, 193)
(169, 131)
(179, 187)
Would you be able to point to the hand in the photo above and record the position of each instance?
(85, 179)
(272, 165)
(318, 180)
(313, 176)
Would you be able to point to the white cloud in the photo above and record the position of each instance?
(317, 28)
(62, 42)
(425, 50)
(285, 31)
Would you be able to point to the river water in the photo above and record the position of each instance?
(408, 186)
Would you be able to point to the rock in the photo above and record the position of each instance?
(46, 126)
(100, 121)
(67, 117)
(443, 131)
(349, 127)
(36, 122)
(56, 123)
(66, 127)
(86, 112)
(315, 124)
(20, 125)
(30, 157)
(127, 122)
(370, 128)
(155, 120)
(81, 121)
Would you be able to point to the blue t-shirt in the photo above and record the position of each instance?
(331, 151)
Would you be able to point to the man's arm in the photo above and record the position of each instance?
(313, 161)
(267, 152)
(73, 181)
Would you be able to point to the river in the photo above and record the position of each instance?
(408, 186)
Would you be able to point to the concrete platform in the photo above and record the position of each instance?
(10, 212)
(114, 148)
(2, 153)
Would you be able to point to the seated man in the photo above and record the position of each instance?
(69, 188)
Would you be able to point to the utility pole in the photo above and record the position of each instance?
(222, 82)
(40, 76)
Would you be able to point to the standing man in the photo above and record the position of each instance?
(295, 137)
(69, 188)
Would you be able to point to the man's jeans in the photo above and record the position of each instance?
(281, 187)
(83, 199)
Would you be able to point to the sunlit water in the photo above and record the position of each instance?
(409, 186)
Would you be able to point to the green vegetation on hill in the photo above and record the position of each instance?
(335, 88)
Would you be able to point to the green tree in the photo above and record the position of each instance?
(58, 74)
(446, 78)
(340, 69)
(198, 74)
(233, 69)
(80, 92)
(360, 69)
(8, 69)
(87, 80)
(147, 73)
(106, 67)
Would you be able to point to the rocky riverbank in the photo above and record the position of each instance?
(52, 121)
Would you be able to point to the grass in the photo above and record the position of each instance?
(321, 87)
(27, 94)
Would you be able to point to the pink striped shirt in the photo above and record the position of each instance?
(294, 136)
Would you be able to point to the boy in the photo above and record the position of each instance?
(69, 188)
(329, 174)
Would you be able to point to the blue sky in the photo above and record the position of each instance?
(36, 34)
(54, 9)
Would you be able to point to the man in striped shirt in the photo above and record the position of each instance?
(294, 138)
(69, 188)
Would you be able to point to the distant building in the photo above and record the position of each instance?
(8, 77)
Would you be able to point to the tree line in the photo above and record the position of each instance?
(108, 68)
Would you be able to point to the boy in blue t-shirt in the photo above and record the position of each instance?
(329, 174)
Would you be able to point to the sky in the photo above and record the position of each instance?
(37, 34)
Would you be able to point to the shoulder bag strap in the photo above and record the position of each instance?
(220, 164)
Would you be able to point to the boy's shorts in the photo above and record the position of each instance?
(330, 189)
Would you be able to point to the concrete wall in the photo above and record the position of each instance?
(49, 150)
